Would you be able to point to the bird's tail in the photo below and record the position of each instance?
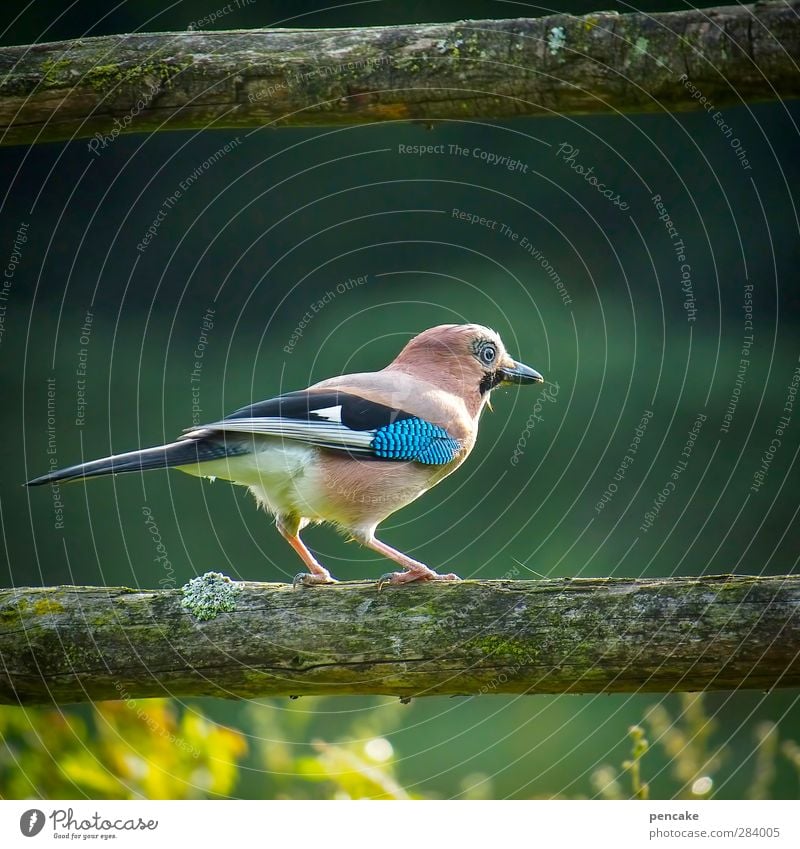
(184, 452)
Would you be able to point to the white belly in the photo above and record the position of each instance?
(282, 476)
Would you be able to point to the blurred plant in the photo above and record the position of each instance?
(606, 784)
(685, 740)
(791, 751)
(116, 750)
(159, 749)
(476, 785)
(766, 754)
(605, 779)
(633, 766)
(353, 776)
(360, 766)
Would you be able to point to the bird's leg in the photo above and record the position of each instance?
(415, 571)
(289, 529)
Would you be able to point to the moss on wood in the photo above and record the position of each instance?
(555, 64)
(68, 644)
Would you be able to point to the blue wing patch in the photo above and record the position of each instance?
(338, 421)
(415, 439)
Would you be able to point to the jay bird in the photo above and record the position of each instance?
(350, 450)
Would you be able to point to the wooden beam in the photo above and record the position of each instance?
(73, 644)
(475, 70)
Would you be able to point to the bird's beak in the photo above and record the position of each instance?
(519, 373)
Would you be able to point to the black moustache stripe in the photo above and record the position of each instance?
(489, 381)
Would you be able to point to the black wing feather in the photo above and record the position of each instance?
(357, 413)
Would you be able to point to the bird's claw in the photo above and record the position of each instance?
(450, 576)
(309, 580)
(412, 576)
(386, 579)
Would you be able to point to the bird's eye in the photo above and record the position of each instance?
(487, 354)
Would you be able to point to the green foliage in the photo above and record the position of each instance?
(766, 734)
(157, 749)
(686, 741)
(694, 762)
(359, 766)
(640, 746)
(791, 751)
(127, 749)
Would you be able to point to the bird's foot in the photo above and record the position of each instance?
(308, 579)
(413, 575)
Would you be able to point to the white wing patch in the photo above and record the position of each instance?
(332, 414)
(323, 433)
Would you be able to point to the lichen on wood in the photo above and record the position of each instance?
(206, 596)
(72, 644)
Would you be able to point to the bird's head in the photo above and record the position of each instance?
(467, 359)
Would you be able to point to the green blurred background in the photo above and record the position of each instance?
(288, 214)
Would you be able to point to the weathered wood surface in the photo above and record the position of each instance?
(72, 644)
(558, 64)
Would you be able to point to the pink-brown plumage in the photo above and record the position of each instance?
(437, 377)
(350, 450)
